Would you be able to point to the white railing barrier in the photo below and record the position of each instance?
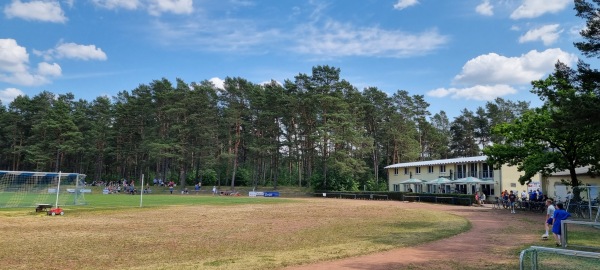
(567, 252)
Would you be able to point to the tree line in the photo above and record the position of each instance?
(316, 130)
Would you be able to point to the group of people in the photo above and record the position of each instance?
(555, 214)
(117, 187)
(527, 199)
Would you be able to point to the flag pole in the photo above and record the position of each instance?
(142, 191)
(57, 190)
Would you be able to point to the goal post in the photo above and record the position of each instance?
(26, 189)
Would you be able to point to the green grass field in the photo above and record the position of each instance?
(159, 197)
(206, 232)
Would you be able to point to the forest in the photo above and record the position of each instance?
(315, 130)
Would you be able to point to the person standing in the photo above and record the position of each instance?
(549, 217)
(214, 190)
(559, 215)
(512, 199)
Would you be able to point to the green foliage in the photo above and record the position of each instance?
(560, 135)
(316, 130)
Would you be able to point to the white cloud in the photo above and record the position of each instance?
(215, 35)
(497, 69)
(14, 66)
(46, 11)
(73, 51)
(77, 51)
(9, 94)
(156, 7)
(219, 83)
(402, 4)
(117, 4)
(13, 58)
(69, 2)
(337, 39)
(477, 92)
(485, 8)
(548, 34)
(575, 31)
(47, 69)
(267, 83)
(535, 8)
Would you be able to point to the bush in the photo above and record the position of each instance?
(457, 199)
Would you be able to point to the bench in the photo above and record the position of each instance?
(229, 193)
(42, 207)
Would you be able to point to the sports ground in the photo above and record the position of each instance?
(222, 232)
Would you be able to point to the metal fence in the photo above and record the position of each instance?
(592, 258)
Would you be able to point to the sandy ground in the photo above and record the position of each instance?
(493, 242)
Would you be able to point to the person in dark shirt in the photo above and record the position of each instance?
(512, 198)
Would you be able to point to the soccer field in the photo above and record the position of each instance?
(206, 232)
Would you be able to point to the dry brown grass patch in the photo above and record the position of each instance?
(252, 236)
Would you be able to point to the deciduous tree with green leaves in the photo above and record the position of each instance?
(560, 135)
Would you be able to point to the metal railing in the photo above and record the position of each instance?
(567, 252)
(485, 174)
(565, 234)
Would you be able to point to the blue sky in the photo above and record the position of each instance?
(458, 54)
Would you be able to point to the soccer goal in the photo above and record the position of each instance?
(27, 189)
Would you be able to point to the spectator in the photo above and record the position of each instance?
(569, 197)
(482, 198)
(524, 195)
(505, 201)
(532, 196)
(214, 190)
(559, 215)
(512, 198)
(171, 189)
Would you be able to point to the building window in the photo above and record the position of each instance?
(461, 171)
(488, 189)
(430, 169)
(396, 187)
(418, 170)
(405, 171)
(442, 168)
(487, 171)
(473, 171)
(395, 171)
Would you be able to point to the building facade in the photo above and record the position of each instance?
(555, 188)
(493, 181)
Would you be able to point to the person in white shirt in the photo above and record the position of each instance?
(549, 217)
(569, 196)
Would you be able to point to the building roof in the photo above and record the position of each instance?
(438, 162)
(580, 170)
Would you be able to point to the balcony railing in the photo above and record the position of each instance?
(487, 174)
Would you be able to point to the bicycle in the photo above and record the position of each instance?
(577, 209)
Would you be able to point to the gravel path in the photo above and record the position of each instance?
(493, 242)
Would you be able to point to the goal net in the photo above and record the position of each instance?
(26, 189)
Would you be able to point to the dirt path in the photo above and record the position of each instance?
(492, 243)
